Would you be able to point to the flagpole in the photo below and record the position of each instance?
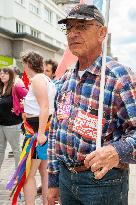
(102, 82)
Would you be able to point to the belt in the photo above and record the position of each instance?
(76, 168)
(82, 168)
(123, 166)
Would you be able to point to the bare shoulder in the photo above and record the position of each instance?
(39, 79)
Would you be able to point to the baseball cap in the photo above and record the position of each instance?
(84, 12)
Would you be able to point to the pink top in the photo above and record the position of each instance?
(18, 94)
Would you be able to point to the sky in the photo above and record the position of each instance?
(122, 26)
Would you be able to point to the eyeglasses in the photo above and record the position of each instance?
(79, 27)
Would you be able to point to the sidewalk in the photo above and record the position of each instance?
(8, 168)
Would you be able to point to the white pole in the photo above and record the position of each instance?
(102, 83)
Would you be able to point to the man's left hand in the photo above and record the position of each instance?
(102, 160)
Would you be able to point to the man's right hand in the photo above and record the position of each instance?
(53, 196)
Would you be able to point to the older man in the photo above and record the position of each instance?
(78, 172)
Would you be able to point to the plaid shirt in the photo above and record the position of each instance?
(119, 114)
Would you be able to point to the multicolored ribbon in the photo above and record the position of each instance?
(18, 179)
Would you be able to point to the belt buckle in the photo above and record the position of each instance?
(72, 169)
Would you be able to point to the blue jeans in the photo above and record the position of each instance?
(83, 189)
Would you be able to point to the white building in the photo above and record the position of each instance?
(31, 24)
(66, 4)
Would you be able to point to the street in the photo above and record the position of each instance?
(8, 167)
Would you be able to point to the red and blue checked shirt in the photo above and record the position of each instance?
(119, 114)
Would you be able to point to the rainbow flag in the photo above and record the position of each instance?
(19, 177)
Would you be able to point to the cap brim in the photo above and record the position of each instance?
(64, 21)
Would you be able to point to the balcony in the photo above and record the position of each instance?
(66, 1)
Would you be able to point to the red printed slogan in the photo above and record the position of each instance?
(85, 124)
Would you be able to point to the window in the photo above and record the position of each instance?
(57, 19)
(20, 2)
(48, 15)
(34, 7)
(20, 27)
(35, 33)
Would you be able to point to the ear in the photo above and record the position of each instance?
(102, 33)
(53, 75)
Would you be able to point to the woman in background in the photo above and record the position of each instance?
(10, 113)
(38, 106)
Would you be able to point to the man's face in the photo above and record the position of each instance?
(83, 36)
(48, 71)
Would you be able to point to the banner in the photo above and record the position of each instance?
(5, 61)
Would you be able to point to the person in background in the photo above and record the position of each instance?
(17, 80)
(79, 172)
(42, 92)
(38, 106)
(10, 113)
(50, 68)
(17, 76)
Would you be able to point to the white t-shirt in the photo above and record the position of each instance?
(31, 105)
(81, 73)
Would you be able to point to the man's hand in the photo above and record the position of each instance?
(53, 196)
(102, 160)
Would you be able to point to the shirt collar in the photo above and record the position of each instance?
(95, 68)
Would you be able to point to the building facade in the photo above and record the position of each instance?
(66, 4)
(31, 24)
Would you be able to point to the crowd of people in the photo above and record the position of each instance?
(60, 121)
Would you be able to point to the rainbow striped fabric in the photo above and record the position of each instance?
(19, 177)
